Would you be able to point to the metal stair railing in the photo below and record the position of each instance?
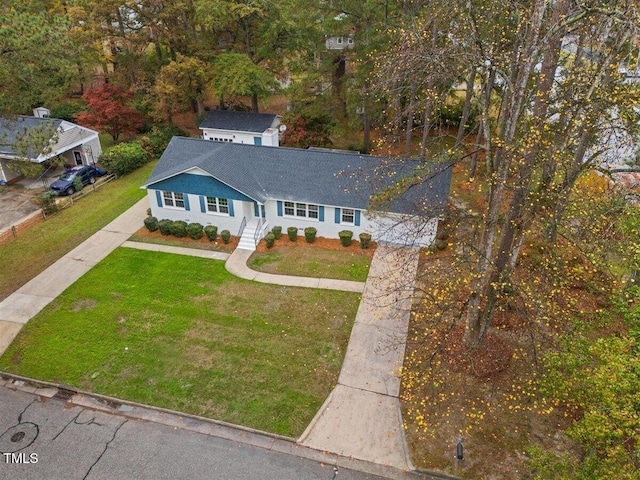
(256, 234)
(242, 225)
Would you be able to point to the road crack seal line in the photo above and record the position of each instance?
(106, 446)
(20, 436)
(75, 421)
(65, 427)
(25, 410)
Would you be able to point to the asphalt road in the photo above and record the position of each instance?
(44, 438)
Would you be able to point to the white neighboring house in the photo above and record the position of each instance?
(77, 145)
(241, 127)
(249, 189)
(339, 43)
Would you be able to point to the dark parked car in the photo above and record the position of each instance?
(66, 185)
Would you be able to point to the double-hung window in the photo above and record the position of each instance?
(173, 199)
(289, 209)
(348, 216)
(303, 210)
(217, 205)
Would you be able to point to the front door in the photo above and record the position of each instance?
(77, 156)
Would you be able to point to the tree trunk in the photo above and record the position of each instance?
(409, 130)
(201, 110)
(254, 102)
(474, 157)
(426, 128)
(339, 71)
(484, 293)
(467, 106)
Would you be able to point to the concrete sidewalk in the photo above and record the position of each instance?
(361, 418)
(152, 247)
(31, 298)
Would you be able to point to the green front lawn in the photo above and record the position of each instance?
(312, 262)
(182, 333)
(33, 251)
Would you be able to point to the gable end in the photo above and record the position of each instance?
(199, 185)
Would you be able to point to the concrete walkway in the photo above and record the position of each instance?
(237, 265)
(361, 418)
(27, 301)
(194, 252)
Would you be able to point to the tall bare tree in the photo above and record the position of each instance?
(551, 101)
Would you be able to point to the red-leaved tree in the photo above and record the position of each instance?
(108, 111)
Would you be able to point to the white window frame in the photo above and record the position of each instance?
(346, 213)
(309, 211)
(313, 211)
(291, 207)
(173, 200)
(217, 205)
(339, 41)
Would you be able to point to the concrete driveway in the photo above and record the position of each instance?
(16, 204)
(16, 200)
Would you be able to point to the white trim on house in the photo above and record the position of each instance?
(269, 138)
(387, 227)
(308, 211)
(172, 199)
(221, 206)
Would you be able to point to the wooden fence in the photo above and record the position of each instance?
(18, 229)
(38, 217)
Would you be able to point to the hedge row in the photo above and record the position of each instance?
(180, 229)
(310, 236)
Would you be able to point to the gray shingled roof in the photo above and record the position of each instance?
(318, 177)
(10, 129)
(238, 121)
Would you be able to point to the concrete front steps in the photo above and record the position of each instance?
(247, 240)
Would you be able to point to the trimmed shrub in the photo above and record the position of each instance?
(179, 228)
(47, 201)
(211, 231)
(292, 233)
(345, 237)
(269, 239)
(151, 223)
(148, 212)
(277, 231)
(194, 230)
(164, 226)
(365, 240)
(124, 158)
(226, 236)
(310, 234)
